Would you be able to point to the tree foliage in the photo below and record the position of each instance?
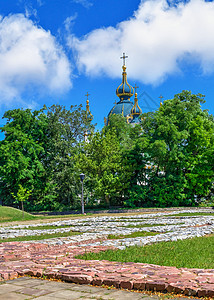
(181, 139)
(21, 196)
(38, 154)
(100, 159)
(166, 160)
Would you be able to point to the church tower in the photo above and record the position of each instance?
(125, 107)
(89, 117)
(136, 111)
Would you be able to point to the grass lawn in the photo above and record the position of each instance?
(47, 227)
(191, 214)
(146, 225)
(39, 237)
(9, 214)
(190, 253)
(132, 235)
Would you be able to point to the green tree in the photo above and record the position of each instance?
(38, 153)
(21, 196)
(181, 139)
(21, 153)
(136, 163)
(122, 129)
(100, 160)
(65, 132)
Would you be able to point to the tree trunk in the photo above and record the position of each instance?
(22, 209)
(107, 200)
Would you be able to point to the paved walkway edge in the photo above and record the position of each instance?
(142, 285)
(186, 287)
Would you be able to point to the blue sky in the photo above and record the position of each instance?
(55, 51)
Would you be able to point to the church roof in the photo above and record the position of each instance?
(124, 90)
(136, 110)
(121, 108)
(125, 107)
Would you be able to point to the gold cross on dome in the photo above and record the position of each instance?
(124, 58)
(87, 95)
(161, 97)
(136, 87)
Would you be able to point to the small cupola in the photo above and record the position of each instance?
(89, 115)
(136, 110)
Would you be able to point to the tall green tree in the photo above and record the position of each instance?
(101, 161)
(181, 139)
(21, 153)
(122, 129)
(38, 154)
(66, 130)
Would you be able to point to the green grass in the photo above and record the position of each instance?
(190, 253)
(132, 235)
(9, 214)
(144, 225)
(39, 227)
(191, 214)
(39, 237)
(131, 221)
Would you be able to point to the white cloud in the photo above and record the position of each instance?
(30, 11)
(40, 2)
(30, 58)
(85, 3)
(156, 38)
(69, 22)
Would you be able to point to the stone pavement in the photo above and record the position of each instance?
(58, 262)
(169, 226)
(25, 288)
(55, 258)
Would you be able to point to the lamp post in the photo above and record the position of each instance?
(82, 176)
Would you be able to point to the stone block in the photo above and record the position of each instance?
(20, 273)
(13, 275)
(111, 282)
(5, 276)
(202, 293)
(81, 279)
(190, 291)
(97, 281)
(158, 286)
(139, 285)
(39, 273)
(51, 275)
(175, 288)
(126, 285)
(31, 272)
(206, 291)
(58, 276)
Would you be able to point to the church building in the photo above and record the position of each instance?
(125, 106)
